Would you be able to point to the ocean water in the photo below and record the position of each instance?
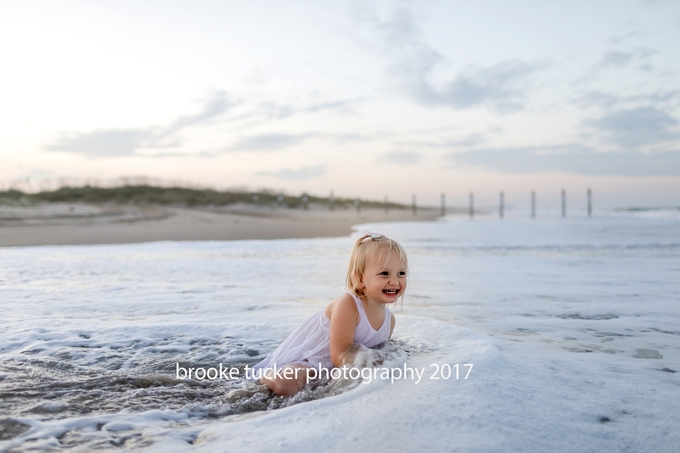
(541, 334)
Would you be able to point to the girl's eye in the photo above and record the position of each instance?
(384, 273)
(402, 274)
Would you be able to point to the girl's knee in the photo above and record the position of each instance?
(286, 386)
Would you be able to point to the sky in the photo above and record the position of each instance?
(364, 98)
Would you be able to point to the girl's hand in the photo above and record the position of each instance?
(349, 356)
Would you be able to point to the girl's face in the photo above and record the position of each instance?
(384, 278)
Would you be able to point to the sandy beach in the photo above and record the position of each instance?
(85, 224)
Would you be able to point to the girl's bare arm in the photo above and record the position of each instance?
(344, 318)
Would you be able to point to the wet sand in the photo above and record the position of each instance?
(84, 224)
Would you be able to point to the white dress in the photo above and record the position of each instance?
(310, 344)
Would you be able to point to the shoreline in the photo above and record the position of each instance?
(90, 224)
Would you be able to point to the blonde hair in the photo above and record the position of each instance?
(366, 246)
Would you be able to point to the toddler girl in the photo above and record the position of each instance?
(376, 277)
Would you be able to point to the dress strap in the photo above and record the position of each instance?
(388, 320)
(357, 301)
(364, 319)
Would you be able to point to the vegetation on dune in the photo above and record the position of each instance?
(179, 196)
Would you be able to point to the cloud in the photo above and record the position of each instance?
(651, 2)
(272, 110)
(284, 111)
(609, 100)
(463, 143)
(268, 142)
(354, 137)
(110, 142)
(616, 59)
(400, 157)
(470, 140)
(621, 59)
(571, 158)
(215, 105)
(502, 87)
(125, 142)
(299, 174)
(331, 105)
(634, 128)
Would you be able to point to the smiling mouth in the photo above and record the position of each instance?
(391, 292)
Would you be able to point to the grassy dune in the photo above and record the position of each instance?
(178, 196)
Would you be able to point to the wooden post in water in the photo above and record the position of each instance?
(330, 201)
(415, 209)
(443, 204)
(533, 204)
(500, 210)
(387, 206)
(357, 204)
(590, 203)
(564, 203)
(472, 205)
